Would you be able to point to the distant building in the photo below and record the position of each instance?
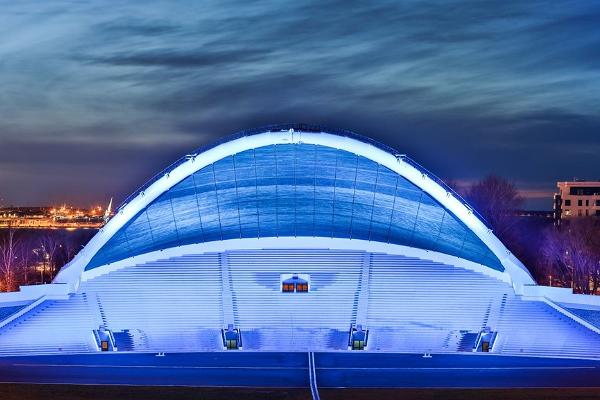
(577, 199)
(51, 217)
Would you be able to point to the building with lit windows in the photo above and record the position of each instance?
(577, 199)
(296, 238)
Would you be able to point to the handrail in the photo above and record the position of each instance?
(22, 311)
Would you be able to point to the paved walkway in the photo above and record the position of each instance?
(331, 370)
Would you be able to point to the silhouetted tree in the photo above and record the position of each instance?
(496, 199)
(21, 250)
(69, 247)
(570, 255)
(26, 257)
(49, 246)
(9, 260)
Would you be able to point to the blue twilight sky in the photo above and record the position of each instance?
(96, 97)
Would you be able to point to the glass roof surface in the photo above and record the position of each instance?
(295, 190)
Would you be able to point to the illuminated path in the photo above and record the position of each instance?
(247, 369)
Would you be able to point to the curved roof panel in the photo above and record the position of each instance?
(295, 190)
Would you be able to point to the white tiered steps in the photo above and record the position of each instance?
(54, 326)
(407, 304)
(536, 328)
(317, 320)
(175, 303)
(422, 306)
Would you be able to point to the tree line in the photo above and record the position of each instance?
(35, 256)
(565, 255)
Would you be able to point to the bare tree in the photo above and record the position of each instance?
(20, 251)
(9, 260)
(49, 246)
(25, 257)
(571, 255)
(496, 199)
(69, 248)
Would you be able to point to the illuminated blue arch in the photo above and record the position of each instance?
(295, 185)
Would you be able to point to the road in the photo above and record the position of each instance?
(285, 370)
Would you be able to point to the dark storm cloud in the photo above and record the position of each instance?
(173, 59)
(467, 88)
(133, 26)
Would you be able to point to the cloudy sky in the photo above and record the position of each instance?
(97, 97)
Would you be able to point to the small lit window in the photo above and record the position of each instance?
(358, 338)
(294, 283)
(485, 346)
(302, 287)
(232, 339)
(288, 287)
(358, 345)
